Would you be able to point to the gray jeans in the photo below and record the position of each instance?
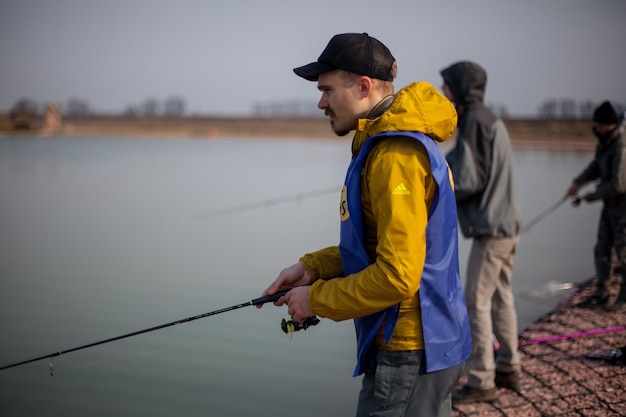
(491, 308)
(396, 384)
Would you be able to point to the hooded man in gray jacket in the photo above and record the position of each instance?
(488, 213)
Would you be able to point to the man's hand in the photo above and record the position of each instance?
(290, 277)
(298, 301)
(577, 199)
(572, 190)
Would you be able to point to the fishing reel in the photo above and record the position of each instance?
(288, 325)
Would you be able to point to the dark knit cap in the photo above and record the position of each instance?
(605, 114)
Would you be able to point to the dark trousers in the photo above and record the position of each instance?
(611, 235)
(396, 384)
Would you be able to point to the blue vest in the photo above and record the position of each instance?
(445, 324)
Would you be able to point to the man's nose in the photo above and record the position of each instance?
(322, 104)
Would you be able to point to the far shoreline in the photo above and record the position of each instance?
(557, 134)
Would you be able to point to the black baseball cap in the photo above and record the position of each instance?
(354, 52)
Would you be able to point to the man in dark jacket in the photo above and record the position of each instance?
(488, 213)
(608, 168)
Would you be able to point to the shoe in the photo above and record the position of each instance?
(467, 395)
(617, 307)
(607, 354)
(508, 380)
(594, 301)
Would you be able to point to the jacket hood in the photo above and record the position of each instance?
(608, 137)
(418, 107)
(467, 81)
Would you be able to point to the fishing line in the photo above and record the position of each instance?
(256, 301)
(288, 326)
(120, 359)
(268, 202)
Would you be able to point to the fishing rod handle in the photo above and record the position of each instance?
(269, 298)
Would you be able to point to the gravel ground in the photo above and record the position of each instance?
(557, 378)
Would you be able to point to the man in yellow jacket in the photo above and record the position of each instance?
(395, 271)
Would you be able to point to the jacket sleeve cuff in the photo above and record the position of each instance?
(323, 264)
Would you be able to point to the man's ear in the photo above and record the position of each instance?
(366, 86)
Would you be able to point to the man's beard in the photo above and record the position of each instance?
(338, 132)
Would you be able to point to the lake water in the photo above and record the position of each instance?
(103, 237)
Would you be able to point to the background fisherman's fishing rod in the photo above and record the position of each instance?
(102, 237)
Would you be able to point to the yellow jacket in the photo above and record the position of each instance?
(396, 192)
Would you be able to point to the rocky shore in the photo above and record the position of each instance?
(557, 379)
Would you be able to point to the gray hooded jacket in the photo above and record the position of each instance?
(481, 161)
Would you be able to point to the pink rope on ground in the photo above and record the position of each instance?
(525, 342)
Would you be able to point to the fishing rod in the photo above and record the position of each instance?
(526, 341)
(544, 214)
(268, 202)
(287, 326)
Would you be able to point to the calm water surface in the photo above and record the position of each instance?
(102, 237)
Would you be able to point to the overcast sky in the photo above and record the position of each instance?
(222, 57)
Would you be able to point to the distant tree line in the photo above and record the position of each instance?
(76, 107)
(304, 108)
(171, 107)
(175, 107)
(570, 109)
(287, 108)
